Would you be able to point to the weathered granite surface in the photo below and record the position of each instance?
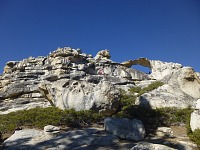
(68, 78)
(125, 128)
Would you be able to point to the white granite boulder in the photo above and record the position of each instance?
(124, 128)
(195, 117)
(51, 128)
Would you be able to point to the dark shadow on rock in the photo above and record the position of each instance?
(19, 144)
(143, 102)
(88, 139)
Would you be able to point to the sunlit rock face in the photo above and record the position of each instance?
(68, 78)
(158, 68)
(181, 90)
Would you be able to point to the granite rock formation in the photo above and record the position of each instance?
(181, 90)
(66, 78)
(70, 79)
(158, 68)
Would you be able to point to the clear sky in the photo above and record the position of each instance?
(166, 30)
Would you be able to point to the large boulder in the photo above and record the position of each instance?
(125, 128)
(103, 54)
(195, 117)
(165, 96)
(185, 79)
(81, 95)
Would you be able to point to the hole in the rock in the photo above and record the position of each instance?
(142, 68)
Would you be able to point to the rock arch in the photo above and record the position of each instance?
(158, 68)
(140, 61)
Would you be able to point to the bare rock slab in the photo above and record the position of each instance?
(31, 139)
(150, 146)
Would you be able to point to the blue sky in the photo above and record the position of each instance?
(166, 30)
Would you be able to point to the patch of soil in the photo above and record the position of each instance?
(179, 131)
(3, 138)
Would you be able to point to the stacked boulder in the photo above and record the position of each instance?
(66, 78)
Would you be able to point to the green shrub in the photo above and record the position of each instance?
(40, 117)
(127, 99)
(136, 89)
(173, 115)
(156, 117)
(36, 117)
(78, 118)
(195, 136)
(150, 87)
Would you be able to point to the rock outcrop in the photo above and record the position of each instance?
(181, 90)
(70, 79)
(66, 78)
(158, 68)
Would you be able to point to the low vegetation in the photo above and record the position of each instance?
(156, 117)
(195, 136)
(127, 99)
(40, 117)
